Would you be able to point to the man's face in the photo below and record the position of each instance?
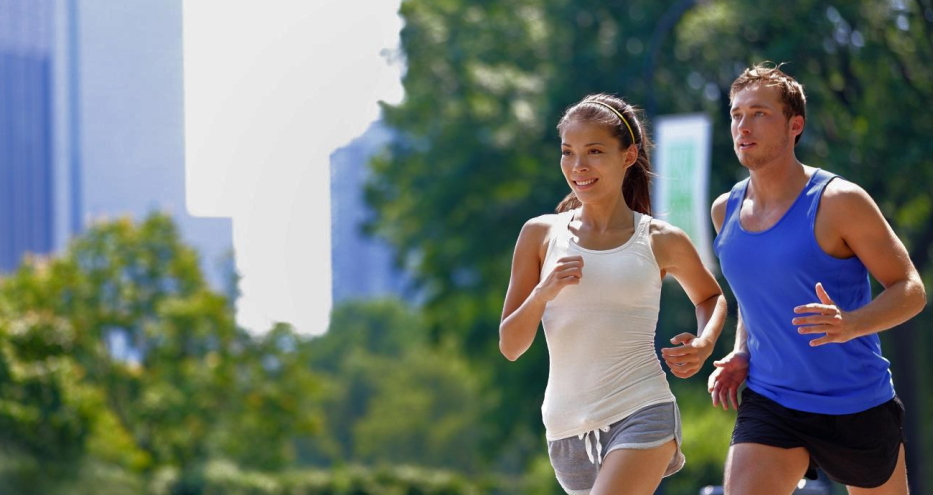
(761, 134)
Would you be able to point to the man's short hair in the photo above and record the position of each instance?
(770, 74)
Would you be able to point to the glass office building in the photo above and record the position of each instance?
(27, 200)
(92, 125)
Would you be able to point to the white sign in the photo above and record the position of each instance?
(682, 161)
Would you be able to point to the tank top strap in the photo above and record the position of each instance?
(818, 183)
(561, 237)
(734, 203)
(642, 222)
(563, 224)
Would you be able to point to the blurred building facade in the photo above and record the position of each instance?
(92, 125)
(29, 219)
(362, 267)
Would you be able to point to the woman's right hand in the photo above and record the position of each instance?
(568, 271)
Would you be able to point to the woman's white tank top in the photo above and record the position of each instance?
(600, 334)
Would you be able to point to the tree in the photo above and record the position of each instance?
(477, 156)
(865, 65)
(46, 411)
(392, 398)
(486, 82)
(117, 351)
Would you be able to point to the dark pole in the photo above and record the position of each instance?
(661, 30)
(904, 367)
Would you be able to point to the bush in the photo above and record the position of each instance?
(226, 479)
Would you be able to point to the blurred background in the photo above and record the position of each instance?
(125, 363)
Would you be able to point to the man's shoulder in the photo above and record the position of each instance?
(736, 187)
(722, 199)
(718, 208)
(843, 193)
(843, 201)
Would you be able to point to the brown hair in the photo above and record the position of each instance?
(770, 74)
(636, 188)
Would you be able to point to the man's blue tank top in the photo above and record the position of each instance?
(773, 271)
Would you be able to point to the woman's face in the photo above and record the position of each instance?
(592, 161)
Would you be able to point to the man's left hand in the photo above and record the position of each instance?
(825, 318)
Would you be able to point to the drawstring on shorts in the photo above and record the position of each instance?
(598, 460)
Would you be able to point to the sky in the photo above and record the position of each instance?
(271, 90)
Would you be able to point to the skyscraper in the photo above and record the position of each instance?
(27, 202)
(362, 266)
(131, 118)
(91, 108)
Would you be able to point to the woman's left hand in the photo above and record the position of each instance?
(686, 359)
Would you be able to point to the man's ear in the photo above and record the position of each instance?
(796, 124)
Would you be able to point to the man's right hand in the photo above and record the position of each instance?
(723, 385)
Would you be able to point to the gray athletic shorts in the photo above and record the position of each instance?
(576, 466)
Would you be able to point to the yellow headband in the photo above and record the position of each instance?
(610, 107)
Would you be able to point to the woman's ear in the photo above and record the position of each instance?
(631, 155)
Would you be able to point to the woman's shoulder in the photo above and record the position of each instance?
(538, 230)
(542, 224)
(663, 228)
(664, 233)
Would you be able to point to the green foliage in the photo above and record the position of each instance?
(273, 400)
(45, 410)
(485, 85)
(391, 397)
(866, 68)
(539, 478)
(117, 358)
(706, 435)
(486, 82)
(192, 404)
(28, 476)
(226, 479)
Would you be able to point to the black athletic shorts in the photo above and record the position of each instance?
(857, 449)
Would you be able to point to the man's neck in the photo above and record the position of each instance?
(778, 182)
